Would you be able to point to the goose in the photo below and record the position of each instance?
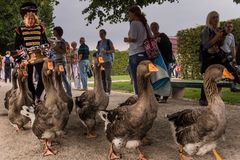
(91, 101)
(50, 117)
(12, 90)
(19, 98)
(196, 131)
(127, 126)
(61, 92)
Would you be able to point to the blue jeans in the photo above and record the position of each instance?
(67, 86)
(134, 60)
(83, 65)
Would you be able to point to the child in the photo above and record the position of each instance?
(74, 66)
(8, 62)
(59, 49)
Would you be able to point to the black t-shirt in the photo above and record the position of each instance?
(84, 51)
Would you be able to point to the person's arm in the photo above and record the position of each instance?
(233, 49)
(80, 54)
(112, 49)
(18, 38)
(44, 39)
(133, 32)
(206, 41)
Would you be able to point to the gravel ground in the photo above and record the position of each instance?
(25, 146)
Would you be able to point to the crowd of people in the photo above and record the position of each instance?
(215, 45)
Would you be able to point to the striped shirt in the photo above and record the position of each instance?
(30, 36)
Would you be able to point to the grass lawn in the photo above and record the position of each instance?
(191, 93)
(227, 95)
(120, 77)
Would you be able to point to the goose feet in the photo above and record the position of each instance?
(48, 151)
(90, 134)
(182, 155)
(216, 155)
(112, 155)
(141, 155)
(185, 157)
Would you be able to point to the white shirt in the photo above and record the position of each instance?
(138, 32)
(229, 43)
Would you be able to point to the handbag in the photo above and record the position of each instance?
(150, 46)
(89, 72)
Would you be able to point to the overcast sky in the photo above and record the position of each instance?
(171, 17)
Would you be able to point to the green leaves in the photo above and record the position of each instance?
(10, 18)
(113, 11)
(188, 41)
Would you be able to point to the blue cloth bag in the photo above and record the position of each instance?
(161, 80)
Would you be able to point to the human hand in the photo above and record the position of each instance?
(219, 35)
(103, 51)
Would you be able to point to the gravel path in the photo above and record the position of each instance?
(25, 146)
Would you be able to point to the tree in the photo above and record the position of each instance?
(10, 18)
(114, 11)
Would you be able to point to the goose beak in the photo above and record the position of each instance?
(152, 68)
(227, 75)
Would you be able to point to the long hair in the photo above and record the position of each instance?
(210, 16)
(32, 14)
(137, 12)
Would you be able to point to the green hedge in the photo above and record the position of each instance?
(119, 64)
(188, 41)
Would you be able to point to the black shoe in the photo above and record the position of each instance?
(162, 101)
(235, 90)
(203, 102)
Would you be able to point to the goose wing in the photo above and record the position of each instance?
(186, 117)
(44, 120)
(192, 126)
(116, 124)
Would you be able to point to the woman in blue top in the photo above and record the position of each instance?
(105, 50)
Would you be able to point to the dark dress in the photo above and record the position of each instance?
(212, 54)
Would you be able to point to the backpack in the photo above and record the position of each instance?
(7, 61)
(108, 45)
(165, 47)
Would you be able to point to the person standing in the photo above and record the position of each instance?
(105, 49)
(229, 48)
(74, 65)
(210, 52)
(30, 34)
(83, 54)
(8, 63)
(68, 63)
(59, 49)
(165, 47)
(136, 36)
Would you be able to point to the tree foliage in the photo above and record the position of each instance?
(114, 11)
(10, 18)
(188, 41)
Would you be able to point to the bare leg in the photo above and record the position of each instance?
(217, 156)
(48, 151)
(112, 155)
(183, 155)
